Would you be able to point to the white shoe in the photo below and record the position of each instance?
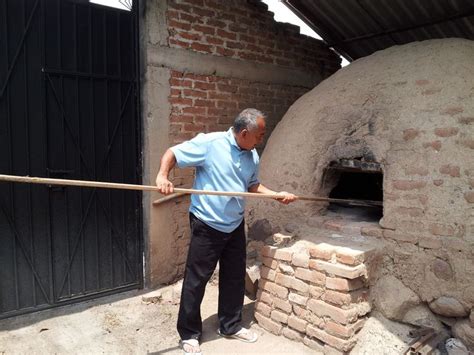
(244, 334)
(191, 347)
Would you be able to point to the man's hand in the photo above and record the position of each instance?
(285, 197)
(168, 161)
(164, 185)
(282, 196)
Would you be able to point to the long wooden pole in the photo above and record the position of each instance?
(114, 185)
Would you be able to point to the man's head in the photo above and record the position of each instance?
(249, 128)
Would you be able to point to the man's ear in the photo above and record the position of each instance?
(244, 132)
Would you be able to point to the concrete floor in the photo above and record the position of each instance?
(123, 324)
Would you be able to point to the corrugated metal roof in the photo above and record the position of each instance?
(357, 28)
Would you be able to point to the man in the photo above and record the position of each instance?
(224, 161)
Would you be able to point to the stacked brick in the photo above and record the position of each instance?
(317, 296)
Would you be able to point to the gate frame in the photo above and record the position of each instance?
(55, 302)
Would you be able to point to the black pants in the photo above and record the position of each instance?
(206, 248)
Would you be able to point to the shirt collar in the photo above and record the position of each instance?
(231, 138)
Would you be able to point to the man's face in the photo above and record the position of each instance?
(249, 139)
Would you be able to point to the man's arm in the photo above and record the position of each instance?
(282, 196)
(168, 161)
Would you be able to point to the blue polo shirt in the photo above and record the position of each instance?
(220, 166)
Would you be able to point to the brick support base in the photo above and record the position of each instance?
(318, 296)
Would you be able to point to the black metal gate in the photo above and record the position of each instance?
(68, 109)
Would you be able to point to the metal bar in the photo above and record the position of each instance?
(10, 158)
(107, 163)
(421, 341)
(106, 160)
(18, 50)
(64, 135)
(53, 71)
(28, 162)
(138, 139)
(104, 40)
(91, 295)
(45, 147)
(431, 345)
(78, 103)
(93, 133)
(127, 3)
(90, 44)
(123, 105)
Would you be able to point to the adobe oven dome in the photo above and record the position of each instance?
(409, 108)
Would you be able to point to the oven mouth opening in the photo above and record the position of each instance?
(356, 180)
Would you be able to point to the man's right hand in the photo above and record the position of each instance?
(164, 185)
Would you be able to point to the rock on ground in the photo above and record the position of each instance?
(392, 298)
(456, 347)
(421, 315)
(448, 307)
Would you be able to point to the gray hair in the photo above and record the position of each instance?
(247, 119)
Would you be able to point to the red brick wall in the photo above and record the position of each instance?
(210, 103)
(245, 30)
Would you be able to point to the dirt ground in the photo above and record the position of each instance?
(124, 324)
